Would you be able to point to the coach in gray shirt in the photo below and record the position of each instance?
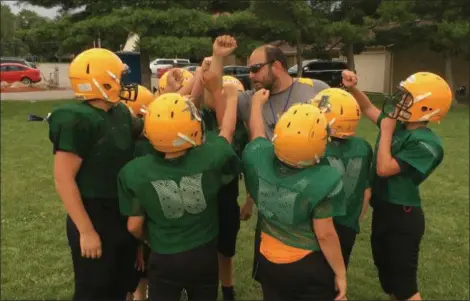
(268, 70)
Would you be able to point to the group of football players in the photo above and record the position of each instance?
(150, 182)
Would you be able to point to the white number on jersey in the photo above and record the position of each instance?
(175, 201)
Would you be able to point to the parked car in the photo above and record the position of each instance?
(324, 70)
(241, 73)
(191, 67)
(14, 72)
(17, 60)
(159, 63)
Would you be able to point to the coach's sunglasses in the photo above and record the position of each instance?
(257, 67)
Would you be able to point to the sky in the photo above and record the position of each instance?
(45, 12)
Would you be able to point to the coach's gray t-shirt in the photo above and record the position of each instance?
(299, 92)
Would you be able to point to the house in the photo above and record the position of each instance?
(381, 69)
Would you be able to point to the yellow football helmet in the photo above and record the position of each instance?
(143, 97)
(227, 79)
(301, 135)
(173, 124)
(163, 81)
(423, 96)
(96, 74)
(341, 111)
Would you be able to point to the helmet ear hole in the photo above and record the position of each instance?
(107, 86)
(288, 125)
(342, 111)
(88, 69)
(172, 114)
(424, 109)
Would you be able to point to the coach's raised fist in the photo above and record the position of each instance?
(262, 95)
(224, 45)
(349, 78)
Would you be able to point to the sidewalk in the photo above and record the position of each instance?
(40, 95)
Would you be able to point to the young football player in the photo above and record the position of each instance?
(177, 194)
(138, 108)
(228, 208)
(300, 253)
(351, 156)
(92, 140)
(407, 152)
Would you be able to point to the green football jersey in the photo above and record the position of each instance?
(104, 141)
(352, 158)
(288, 199)
(421, 151)
(177, 196)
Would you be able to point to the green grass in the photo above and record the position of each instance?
(36, 264)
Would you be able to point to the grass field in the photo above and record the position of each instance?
(35, 260)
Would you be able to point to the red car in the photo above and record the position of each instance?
(13, 72)
(161, 71)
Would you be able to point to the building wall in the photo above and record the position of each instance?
(371, 68)
(414, 60)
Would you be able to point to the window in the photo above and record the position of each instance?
(165, 62)
(16, 68)
(3, 68)
(241, 70)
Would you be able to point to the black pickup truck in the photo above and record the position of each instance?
(327, 71)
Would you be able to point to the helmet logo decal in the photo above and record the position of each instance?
(85, 87)
(324, 104)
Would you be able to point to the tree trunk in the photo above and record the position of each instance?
(350, 57)
(449, 77)
(146, 75)
(298, 58)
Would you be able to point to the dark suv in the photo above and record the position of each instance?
(241, 73)
(327, 71)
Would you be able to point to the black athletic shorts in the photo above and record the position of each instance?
(195, 271)
(229, 218)
(396, 236)
(310, 278)
(114, 274)
(347, 238)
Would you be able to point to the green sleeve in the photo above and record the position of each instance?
(128, 203)
(255, 153)
(422, 156)
(219, 152)
(70, 132)
(333, 205)
(380, 118)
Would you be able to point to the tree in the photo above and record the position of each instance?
(298, 23)
(442, 26)
(11, 43)
(352, 21)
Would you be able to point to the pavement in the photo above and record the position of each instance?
(38, 95)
